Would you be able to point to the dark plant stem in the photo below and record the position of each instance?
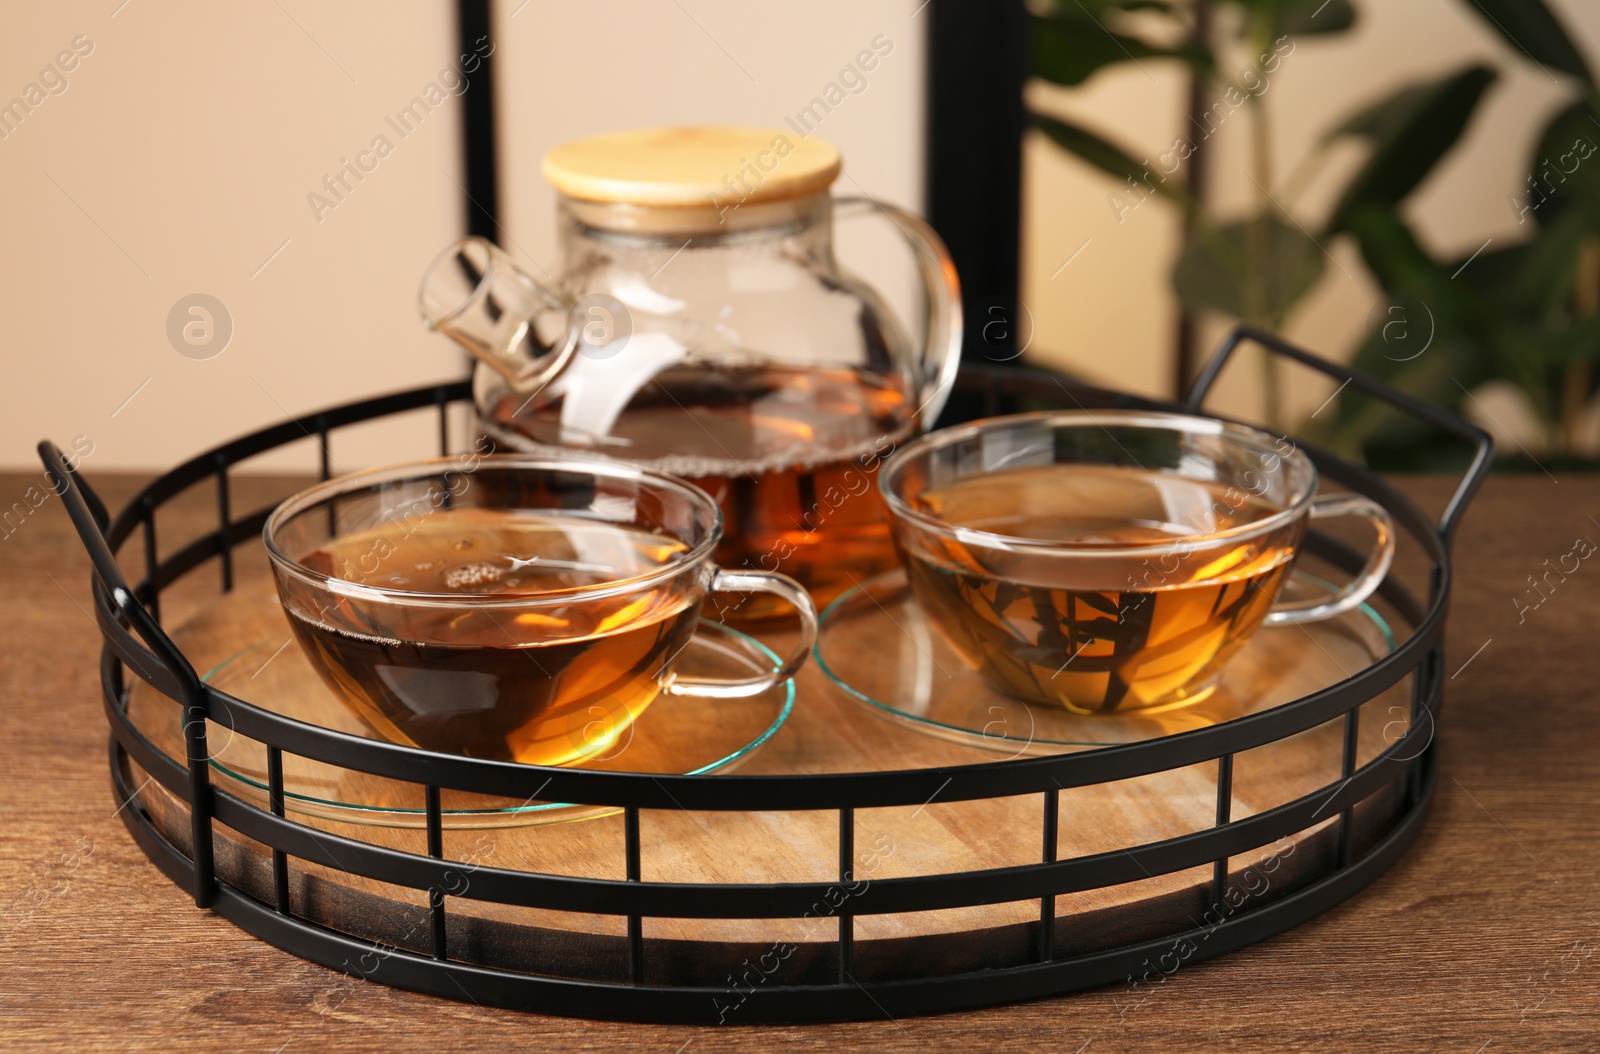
(1577, 376)
(1574, 395)
(1258, 303)
(1195, 181)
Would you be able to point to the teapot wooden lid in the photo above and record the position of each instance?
(692, 167)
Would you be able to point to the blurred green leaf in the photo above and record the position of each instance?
(1409, 132)
(1564, 169)
(1072, 45)
(1103, 9)
(1109, 158)
(1533, 277)
(1534, 31)
(1525, 293)
(1386, 119)
(1505, 313)
(1554, 342)
(1464, 318)
(1214, 271)
(1387, 438)
(1402, 266)
(1428, 337)
(1315, 16)
(1301, 17)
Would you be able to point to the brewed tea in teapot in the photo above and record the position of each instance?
(700, 326)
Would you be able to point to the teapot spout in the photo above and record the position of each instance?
(476, 295)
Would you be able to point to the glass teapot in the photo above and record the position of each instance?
(701, 326)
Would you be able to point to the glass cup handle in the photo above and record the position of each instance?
(755, 582)
(1358, 589)
(942, 321)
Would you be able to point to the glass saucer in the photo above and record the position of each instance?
(675, 734)
(876, 645)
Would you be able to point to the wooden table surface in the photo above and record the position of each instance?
(1483, 939)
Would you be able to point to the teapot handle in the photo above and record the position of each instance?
(475, 294)
(941, 320)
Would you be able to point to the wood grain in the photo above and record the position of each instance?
(1484, 934)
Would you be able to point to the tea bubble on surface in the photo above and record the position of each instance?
(472, 576)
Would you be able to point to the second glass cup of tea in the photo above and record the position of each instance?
(1111, 560)
(508, 606)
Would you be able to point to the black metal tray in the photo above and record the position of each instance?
(1380, 804)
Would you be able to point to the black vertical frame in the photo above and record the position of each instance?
(478, 140)
(977, 64)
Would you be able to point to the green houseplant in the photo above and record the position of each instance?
(1522, 310)
(1525, 312)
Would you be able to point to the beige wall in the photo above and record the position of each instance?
(178, 161)
(1108, 315)
(179, 157)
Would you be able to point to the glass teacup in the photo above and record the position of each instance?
(510, 607)
(1111, 560)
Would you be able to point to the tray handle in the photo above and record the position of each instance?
(90, 519)
(1480, 440)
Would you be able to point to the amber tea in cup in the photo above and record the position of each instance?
(511, 608)
(1112, 560)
